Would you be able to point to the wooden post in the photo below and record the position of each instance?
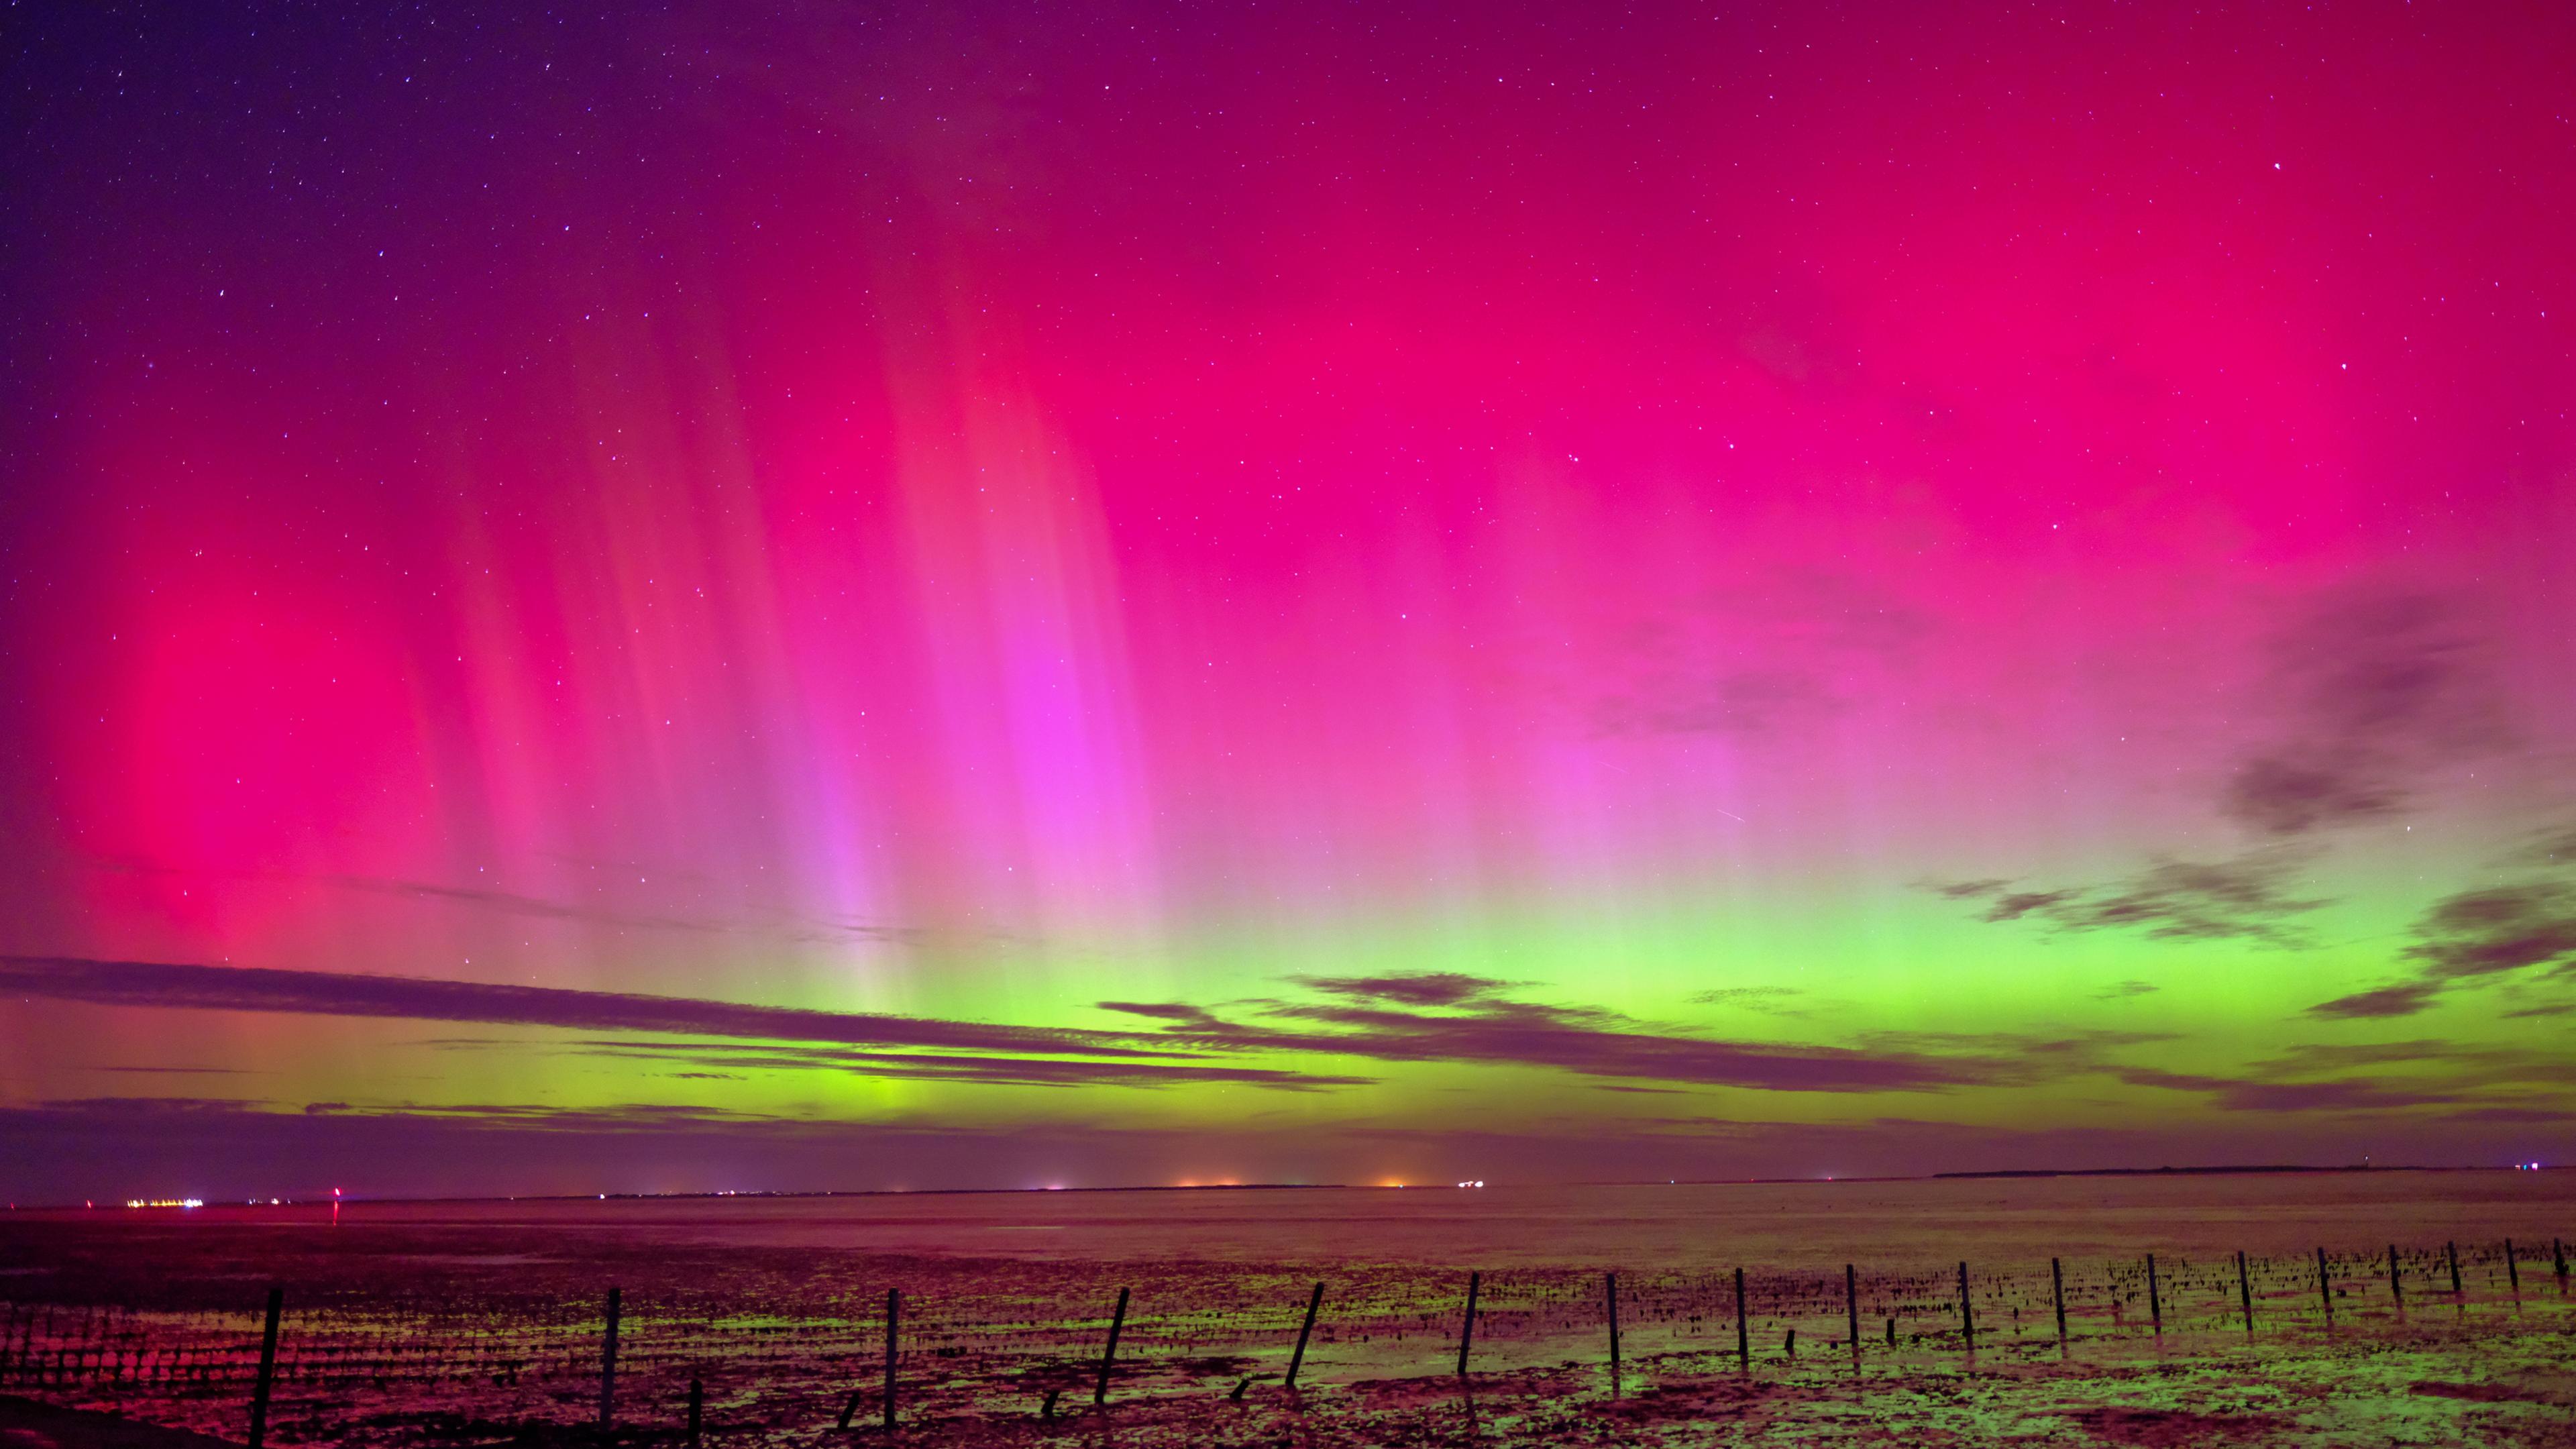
(697, 1400)
(2057, 1295)
(2396, 1284)
(1299, 1357)
(1967, 1312)
(2325, 1287)
(2245, 1291)
(2512, 1270)
(1743, 1340)
(1467, 1330)
(2155, 1305)
(2451, 1251)
(1109, 1355)
(608, 1364)
(2558, 1260)
(894, 1320)
(1610, 1289)
(267, 1369)
(1851, 1306)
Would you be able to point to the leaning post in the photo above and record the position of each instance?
(1467, 1330)
(267, 1369)
(1298, 1359)
(1109, 1355)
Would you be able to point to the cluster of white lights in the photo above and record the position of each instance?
(153, 1202)
(1479, 1182)
(2526, 1167)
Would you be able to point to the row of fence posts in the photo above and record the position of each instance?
(1466, 1332)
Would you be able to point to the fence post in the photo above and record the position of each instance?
(1743, 1340)
(1610, 1290)
(2558, 1260)
(1297, 1359)
(1109, 1355)
(608, 1364)
(2325, 1287)
(267, 1369)
(2396, 1284)
(697, 1399)
(2512, 1270)
(2155, 1304)
(1851, 1307)
(2245, 1291)
(2057, 1295)
(1467, 1330)
(1967, 1312)
(850, 1408)
(2451, 1251)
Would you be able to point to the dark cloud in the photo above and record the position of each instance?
(1773, 1000)
(2555, 846)
(1013, 1071)
(2471, 935)
(2019, 1058)
(2391, 1076)
(2367, 694)
(2248, 897)
(2337, 1095)
(322, 993)
(2013, 905)
(1434, 988)
(1753, 662)
(1473, 1024)
(2403, 999)
(2503, 928)
(2375, 688)
(2289, 797)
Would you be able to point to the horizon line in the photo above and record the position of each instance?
(2209, 1170)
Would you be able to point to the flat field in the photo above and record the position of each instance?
(439, 1324)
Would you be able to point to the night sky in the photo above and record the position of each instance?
(700, 597)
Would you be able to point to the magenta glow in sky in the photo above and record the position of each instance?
(1000, 595)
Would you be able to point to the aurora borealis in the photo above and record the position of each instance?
(1005, 595)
